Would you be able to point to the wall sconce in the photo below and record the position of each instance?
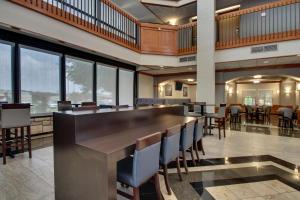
(298, 86)
(287, 90)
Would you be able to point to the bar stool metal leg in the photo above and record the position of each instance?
(4, 145)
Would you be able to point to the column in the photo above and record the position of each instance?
(206, 52)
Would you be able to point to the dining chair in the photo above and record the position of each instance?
(64, 105)
(235, 116)
(286, 118)
(14, 116)
(170, 152)
(198, 136)
(144, 165)
(186, 142)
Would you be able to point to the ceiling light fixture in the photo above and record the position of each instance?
(257, 76)
(190, 68)
(266, 62)
(190, 80)
(228, 9)
(172, 21)
(256, 81)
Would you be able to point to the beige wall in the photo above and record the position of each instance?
(193, 92)
(288, 92)
(175, 94)
(146, 86)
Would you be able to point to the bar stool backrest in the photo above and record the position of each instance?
(234, 110)
(197, 108)
(146, 158)
(15, 115)
(222, 110)
(170, 144)
(187, 135)
(64, 105)
(198, 133)
(288, 113)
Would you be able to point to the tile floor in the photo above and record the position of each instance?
(33, 179)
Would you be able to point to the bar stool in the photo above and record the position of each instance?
(186, 142)
(198, 135)
(170, 152)
(14, 116)
(144, 165)
(64, 105)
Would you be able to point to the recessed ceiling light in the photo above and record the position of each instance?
(266, 62)
(256, 81)
(172, 21)
(190, 80)
(257, 76)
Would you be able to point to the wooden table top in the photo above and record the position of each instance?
(126, 139)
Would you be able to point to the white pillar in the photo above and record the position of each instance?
(206, 52)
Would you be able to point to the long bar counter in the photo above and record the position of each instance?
(88, 145)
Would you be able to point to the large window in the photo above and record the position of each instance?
(126, 83)
(40, 80)
(106, 85)
(5, 73)
(79, 80)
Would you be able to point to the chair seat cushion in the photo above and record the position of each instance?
(125, 171)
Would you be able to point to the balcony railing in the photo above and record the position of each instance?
(101, 18)
(273, 22)
(187, 38)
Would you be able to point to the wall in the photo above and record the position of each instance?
(193, 92)
(220, 94)
(175, 94)
(146, 86)
(288, 92)
(256, 87)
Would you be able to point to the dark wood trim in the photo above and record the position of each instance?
(16, 80)
(144, 73)
(117, 87)
(62, 78)
(175, 74)
(95, 82)
(173, 131)
(15, 106)
(148, 141)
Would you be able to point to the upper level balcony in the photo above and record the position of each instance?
(267, 23)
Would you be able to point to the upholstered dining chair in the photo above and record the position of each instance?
(14, 116)
(64, 105)
(235, 115)
(144, 165)
(170, 152)
(187, 141)
(286, 120)
(198, 135)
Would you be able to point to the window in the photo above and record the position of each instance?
(249, 101)
(79, 80)
(5, 73)
(265, 97)
(126, 83)
(40, 80)
(106, 85)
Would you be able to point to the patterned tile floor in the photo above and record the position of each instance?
(33, 179)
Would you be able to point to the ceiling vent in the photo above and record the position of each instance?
(187, 59)
(267, 48)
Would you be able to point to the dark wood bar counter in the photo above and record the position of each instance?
(88, 145)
